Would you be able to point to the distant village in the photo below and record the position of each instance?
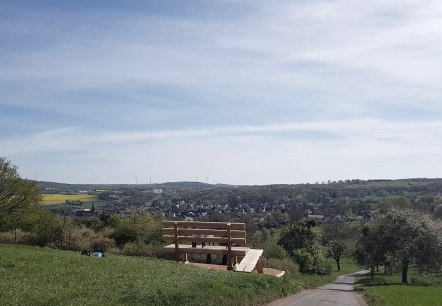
(174, 206)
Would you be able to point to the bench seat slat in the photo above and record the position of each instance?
(199, 231)
(209, 225)
(240, 241)
(219, 250)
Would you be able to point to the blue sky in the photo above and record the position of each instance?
(240, 92)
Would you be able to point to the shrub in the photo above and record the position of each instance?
(141, 249)
(140, 227)
(312, 261)
(285, 264)
(46, 229)
(83, 238)
(18, 236)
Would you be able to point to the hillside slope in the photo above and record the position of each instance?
(35, 276)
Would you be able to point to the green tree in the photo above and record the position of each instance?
(46, 229)
(273, 250)
(298, 235)
(311, 260)
(139, 227)
(337, 249)
(17, 195)
(336, 236)
(302, 244)
(406, 236)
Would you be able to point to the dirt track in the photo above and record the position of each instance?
(340, 292)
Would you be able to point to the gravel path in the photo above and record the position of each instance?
(340, 292)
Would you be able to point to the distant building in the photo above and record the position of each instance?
(84, 213)
(316, 217)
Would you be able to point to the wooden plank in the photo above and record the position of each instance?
(225, 240)
(175, 239)
(249, 261)
(199, 231)
(229, 246)
(209, 225)
(213, 249)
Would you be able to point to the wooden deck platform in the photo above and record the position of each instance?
(249, 261)
(208, 249)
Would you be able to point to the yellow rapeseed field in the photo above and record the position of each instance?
(51, 199)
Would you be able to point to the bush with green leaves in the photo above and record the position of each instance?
(301, 242)
(45, 229)
(312, 261)
(84, 238)
(140, 227)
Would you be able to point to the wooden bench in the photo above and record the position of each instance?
(215, 237)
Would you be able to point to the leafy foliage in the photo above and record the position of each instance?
(311, 260)
(298, 235)
(301, 242)
(273, 250)
(337, 236)
(139, 227)
(406, 236)
(17, 196)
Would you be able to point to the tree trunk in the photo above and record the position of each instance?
(15, 235)
(338, 264)
(405, 270)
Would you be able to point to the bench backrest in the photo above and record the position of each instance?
(210, 232)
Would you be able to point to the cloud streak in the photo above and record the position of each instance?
(321, 78)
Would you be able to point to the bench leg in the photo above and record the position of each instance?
(230, 262)
(224, 260)
(260, 270)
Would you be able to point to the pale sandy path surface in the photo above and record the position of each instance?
(340, 292)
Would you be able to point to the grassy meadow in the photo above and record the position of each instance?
(347, 266)
(35, 276)
(388, 290)
(44, 276)
(54, 199)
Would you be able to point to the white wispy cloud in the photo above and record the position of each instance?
(335, 86)
(350, 132)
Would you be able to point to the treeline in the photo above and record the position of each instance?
(138, 234)
(24, 220)
(333, 197)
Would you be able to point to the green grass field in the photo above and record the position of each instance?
(34, 276)
(388, 290)
(43, 276)
(53, 199)
(347, 266)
